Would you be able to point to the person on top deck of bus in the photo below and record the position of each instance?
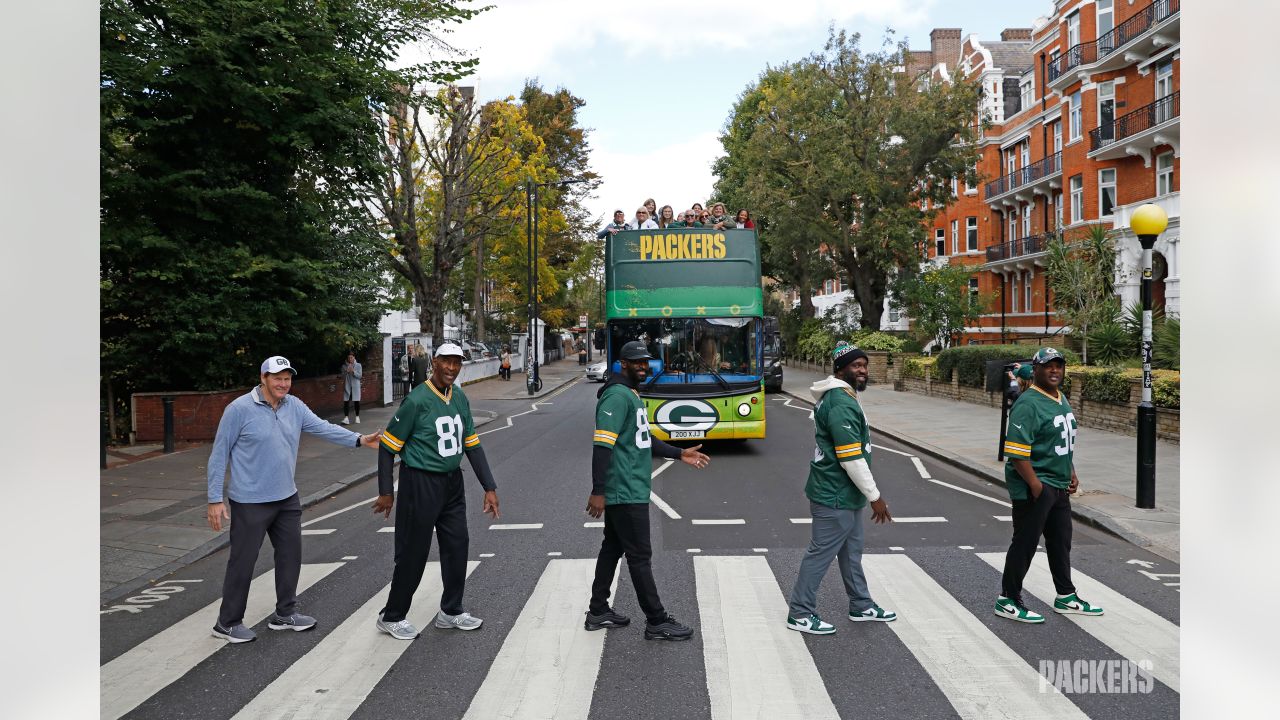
(652, 207)
(665, 216)
(720, 219)
(642, 220)
(683, 222)
(744, 220)
(697, 207)
(619, 223)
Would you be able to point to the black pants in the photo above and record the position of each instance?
(1048, 515)
(282, 521)
(626, 532)
(504, 373)
(427, 501)
(582, 359)
(346, 405)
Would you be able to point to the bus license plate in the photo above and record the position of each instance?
(687, 434)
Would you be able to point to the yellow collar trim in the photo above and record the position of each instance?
(1042, 392)
(446, 397)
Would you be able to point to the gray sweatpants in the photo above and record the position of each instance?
(250, 523)
(836, 533)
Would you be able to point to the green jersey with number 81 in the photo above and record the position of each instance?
(431, 430)
(622, 424)
(1041, 429)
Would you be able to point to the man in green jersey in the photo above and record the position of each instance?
(840, 485)
(431, 430)
(1041, 476)
(621, 470)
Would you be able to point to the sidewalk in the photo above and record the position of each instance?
(965, 436)
(152, 511)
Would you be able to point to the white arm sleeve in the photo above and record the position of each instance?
(860, 473)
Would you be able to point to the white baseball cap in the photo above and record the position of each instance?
(449, 349)
(277, 363)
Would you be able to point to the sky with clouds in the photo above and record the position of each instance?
(660, 77)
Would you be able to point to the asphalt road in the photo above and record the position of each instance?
(947, 656)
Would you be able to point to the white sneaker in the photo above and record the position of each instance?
(346, 421)
(461, 621)
(400, 630)
(357, 419)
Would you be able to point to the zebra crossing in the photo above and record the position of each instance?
(748, 664)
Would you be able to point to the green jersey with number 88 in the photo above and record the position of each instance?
(431, 430)
(1041, 429)
(622, 424)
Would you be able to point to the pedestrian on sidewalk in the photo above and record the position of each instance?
(431, 431)
(351, 374)
(1040, 475)
(504, 370)
(621, 465)
(258, 440)
(581, 347)
(840, 484)
(419, 369)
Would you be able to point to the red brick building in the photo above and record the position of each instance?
(1082, 126)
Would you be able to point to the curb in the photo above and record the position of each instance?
(223, 540)
(1084, 514)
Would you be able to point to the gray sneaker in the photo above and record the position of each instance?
(297, 622)
(400, 630)
(237, 633)
(461, 621)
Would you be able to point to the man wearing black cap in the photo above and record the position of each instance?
(839, 486)
(621, 468)
(257, 441)
(1040, 475)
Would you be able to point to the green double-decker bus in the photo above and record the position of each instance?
(693, 296)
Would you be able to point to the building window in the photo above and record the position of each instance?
(1164, 173)
(1011, 160)
(1025, 158)
(955, 187)
(1027, 90)
(1057, 136)
(1026, 289)
(1106, 110)
(1077, 199)
(1026, 219)
(1013, 224)
(1106, 192)
(1075, 128)
(1057, 210)
(1164, 88)
(971, 233)
(893, 315)
(973, 290)
(955, 237)
(828, 287)
(1106, 21)
(1073, 30)
(940, 238)
(1013, 296)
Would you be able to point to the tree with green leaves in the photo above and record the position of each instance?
(852, 149)
(1081, 276)
(938, 302)
(235, 138)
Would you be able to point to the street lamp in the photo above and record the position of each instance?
(533, 383)
(1147, 222)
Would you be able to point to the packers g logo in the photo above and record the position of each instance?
(685, 415)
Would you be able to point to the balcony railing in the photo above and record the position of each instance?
(1029, 174)
(1123, 34)
(1130, 124)
(1028, 245)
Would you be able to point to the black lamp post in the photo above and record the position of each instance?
(1147, 223)
(533, 383)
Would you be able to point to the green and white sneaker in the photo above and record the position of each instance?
(812, 625)
(1073, 605)
(875, 613)
(1011, 609)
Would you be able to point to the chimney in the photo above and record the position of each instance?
(1009, 34)
(944, 43)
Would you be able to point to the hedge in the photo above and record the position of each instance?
(1109, 385)
(1112, 385)
(914, 367)
(969, 362)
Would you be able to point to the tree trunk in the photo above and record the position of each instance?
(477, 299)
(869, 289)
(806, 304)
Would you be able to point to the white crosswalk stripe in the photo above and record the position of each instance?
(1125, 626)
(149, 667)
(982, 677)
(332, 680)
(548, 664)
(756, 666)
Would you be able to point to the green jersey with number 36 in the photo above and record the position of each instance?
(431, 430)
(1041, 429)
(623, 424)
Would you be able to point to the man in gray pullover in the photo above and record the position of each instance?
(258, 439)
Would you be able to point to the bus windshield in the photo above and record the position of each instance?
(696, 350)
